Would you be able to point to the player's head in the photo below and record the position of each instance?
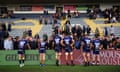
(30, 38)
(10, 38)
(118, 39)
(86, 35)
(96, 37)
(44, 39)
(26, 37)
(67, 33)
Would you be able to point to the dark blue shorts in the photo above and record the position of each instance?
(21, 52)
(77, 48)
(86, 50)
(96, 52)
(42, 51)
(68, 49)
(58, 49)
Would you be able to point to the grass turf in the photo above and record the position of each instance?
(60, 69)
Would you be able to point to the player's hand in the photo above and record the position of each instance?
(71, 45)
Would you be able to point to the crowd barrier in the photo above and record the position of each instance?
(107, 57)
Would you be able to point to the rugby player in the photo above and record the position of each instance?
(42, 45)
(57, 47)
(22, 45)
(96, 50)
(68, 42)
(86, 48)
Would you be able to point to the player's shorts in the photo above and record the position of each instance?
(21, 52)
(42, 51)
(58, 49)
(68, 49)
(96, 52)
(86, 50)
(78, 48)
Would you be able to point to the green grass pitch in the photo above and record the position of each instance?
(34, 68)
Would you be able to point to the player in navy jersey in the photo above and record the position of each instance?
(96, 49)
(57, 47)
(86, 48)
(42, 45)
(22, 45)
(68, 42)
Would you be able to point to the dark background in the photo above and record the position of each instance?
(55, 1)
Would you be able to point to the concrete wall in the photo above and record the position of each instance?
(104, 6)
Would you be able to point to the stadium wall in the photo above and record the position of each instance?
(39, 8)
(107, 57)
(103, 6)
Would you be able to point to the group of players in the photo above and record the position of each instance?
(67, 43)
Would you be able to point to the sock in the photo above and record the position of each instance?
(88, 63)
(85, 64)
(71, 61)
(20, 61)
(67, 63)
(57, 62)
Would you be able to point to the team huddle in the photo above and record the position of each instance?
(67, 43)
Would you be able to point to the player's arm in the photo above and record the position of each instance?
(47, 45)
(91, 45)
(72, 44)
(101, 45)
(62, 43)
(28, 45)
(53, 44)
(82, 45)
(38, 43)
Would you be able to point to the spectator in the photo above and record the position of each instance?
(8, 43)
(114, 20)
(105, 42)
(37, 36)
(51, 20)
(68, 26)
(40, 20)
(56, 29)
(111, 46)
(6, 34)
(45, 37)
(16, 42)
(84, 29)
(45, 12)
(50, 42)
(3, 26)
(25, 34)
(1, 38)
(111, 30)
(29, 32)
(9, 26)
(45, 21)
(88, 30)
(117, 44)
(105, 31)
(69, 13)
(77, 30)
(32, 43)
(55, 21)
(89, 11)
(97, 32)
